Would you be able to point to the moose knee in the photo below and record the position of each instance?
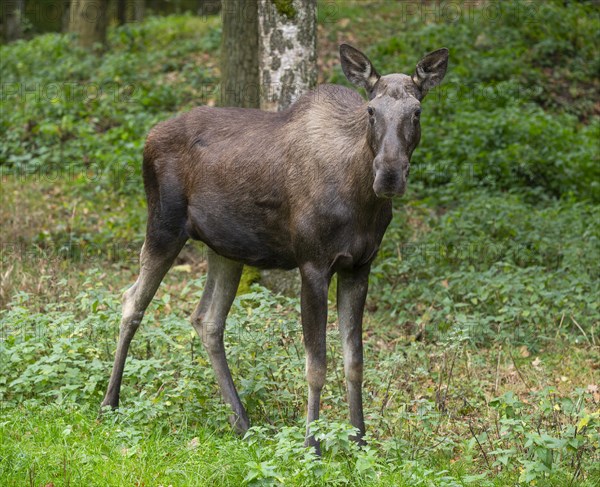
(353, 370)
(315, 375)
(211, 334)
(132, 314)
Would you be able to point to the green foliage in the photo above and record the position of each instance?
(60, 359)
(492, 257)
(66, 112)
(48, 355)
(507, 148)
(484, 127)
(250, 275)
(497, 267)
(555, 441)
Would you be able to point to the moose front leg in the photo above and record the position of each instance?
(315, 284)
(351, 295)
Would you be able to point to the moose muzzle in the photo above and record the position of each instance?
(390, 178)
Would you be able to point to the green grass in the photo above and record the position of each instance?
(69, 446)
(482, 327)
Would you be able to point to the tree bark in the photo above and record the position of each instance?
(88, 21)
(135, 11)
(139, 10)
(65, 18)
(12, 15)
(239, 54)
(121, 12)
(209, 7)
(288, 68)
(288, 47)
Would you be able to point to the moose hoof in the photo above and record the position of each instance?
(359, 440)
(240, 425)
(107, 406)
(310, 442)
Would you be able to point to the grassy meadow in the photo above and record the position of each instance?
(482, 327)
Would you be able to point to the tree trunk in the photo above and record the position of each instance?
(121, 12)
(12, 15)
(135, 11)
(139, 11)
(239, 54)
(88, 21)
(209, 7)
(288, 47)
(65, 19)
(288, 68)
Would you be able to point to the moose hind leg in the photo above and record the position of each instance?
(209, 322)
(154, 265)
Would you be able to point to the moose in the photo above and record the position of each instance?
(309, 187)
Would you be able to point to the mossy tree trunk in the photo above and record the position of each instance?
(89, 21)
(239, 54)
(288, 47)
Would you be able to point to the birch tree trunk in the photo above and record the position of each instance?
(288, 68)
(288, 50)
(239, 54)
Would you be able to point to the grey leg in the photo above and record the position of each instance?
(315, 285)
(154, 266)
(209, 322)
(351, 295)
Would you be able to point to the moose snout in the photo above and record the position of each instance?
(390, 182)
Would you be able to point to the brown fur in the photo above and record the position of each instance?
(264, 188)
(307, 187)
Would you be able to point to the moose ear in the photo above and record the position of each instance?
(358, 69)
(431, 70)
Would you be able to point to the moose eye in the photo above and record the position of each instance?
(417, 113)
(370, 111)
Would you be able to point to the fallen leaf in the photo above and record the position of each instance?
(593, 389)
(537, 363)
(524, 351)
(183, 268)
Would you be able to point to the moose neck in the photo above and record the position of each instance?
(360, 156)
